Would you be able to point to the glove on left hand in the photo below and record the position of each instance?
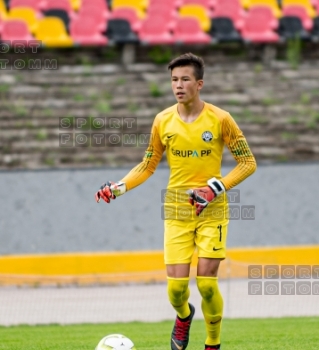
(202, 196)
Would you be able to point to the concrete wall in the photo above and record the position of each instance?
(55, 211)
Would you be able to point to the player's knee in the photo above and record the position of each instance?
(206, 287)
(177, 290)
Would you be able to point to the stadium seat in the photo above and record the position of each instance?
(63, 15)
(52, 32)
(94, 11)
(154, 30)
(157, 7)
(85, 31)
(188, 31)
(315, 4)
(259, 25)
(315, 30)
(172, 4)
(231, 9)
(273, 4)
(119, 31)
(57, 4)
(229, 2)
(223, 30)
(139, 5)
(140, 13)
(170, 14)
(300, 12)
(76, 4)
(199, 12)
(3, 10)
(129, 14)
(290, 27)
(100, 4)
(209, 4)
(34, 4)
(15, 29)
(305, 3)
(245, 3)
(26, 14)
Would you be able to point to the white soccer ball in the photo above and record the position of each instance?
(115, 342)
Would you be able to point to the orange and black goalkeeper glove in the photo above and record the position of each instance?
(110, 190)
(202, 196)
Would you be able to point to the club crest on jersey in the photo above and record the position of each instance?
(207, 136)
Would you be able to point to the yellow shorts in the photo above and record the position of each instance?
(182, 237)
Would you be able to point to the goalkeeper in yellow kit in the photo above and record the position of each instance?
(193, 134)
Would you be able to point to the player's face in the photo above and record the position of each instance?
(184, 84)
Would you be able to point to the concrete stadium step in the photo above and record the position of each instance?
(275, 106)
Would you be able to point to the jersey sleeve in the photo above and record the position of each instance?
(239, 148)
(151, 159)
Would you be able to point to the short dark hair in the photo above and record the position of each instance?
(189, 59)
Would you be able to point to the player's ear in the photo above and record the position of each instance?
(200, 84)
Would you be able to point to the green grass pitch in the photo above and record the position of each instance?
(237, 334)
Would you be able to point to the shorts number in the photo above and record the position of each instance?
(220, 232)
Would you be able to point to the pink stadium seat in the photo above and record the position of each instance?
(259, 25)
(188, 31)
(129, 14)
(27, 14)
(232, 2)
(307, 4)
(198, 11)
(154, 30)
(34, 4)
(231, 9)
(102, 4)
(315, 4)
(14, 30)
(209, 4)
(158, 7)
(84, 31)
(58, 4)
(93, 11)
(172, 4)
(300, 12)
(64, 5)
(170, 14)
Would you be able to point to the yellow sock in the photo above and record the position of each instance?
(212, 307)
(178, 294)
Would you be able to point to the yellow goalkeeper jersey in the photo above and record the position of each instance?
(194, 150)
